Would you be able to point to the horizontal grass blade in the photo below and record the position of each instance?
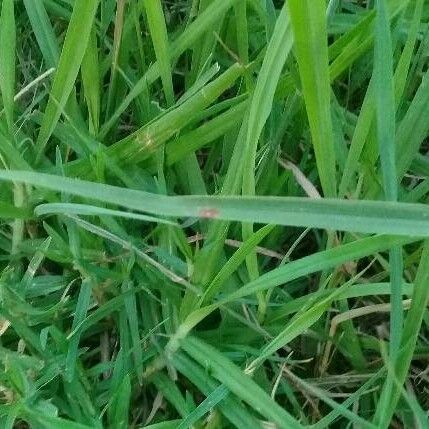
(83, 209)
(343, 215)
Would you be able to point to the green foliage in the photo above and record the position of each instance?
(214, 214)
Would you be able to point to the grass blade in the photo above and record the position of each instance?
(80, 314)
(386, 124)
(158, 32)
(391, 390)
(230, 407)
(239, 383)
(91, 82)
(43, 31)
(211, 14)
(75, 45)
(260, 108)
(309, 28)
(7, 59)
(356, 216)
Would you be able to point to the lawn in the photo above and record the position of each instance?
(214, 214)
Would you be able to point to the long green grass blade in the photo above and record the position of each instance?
(260, 108)
(7, 59)
(391, 389)
(386, 124)
(356, 216)
(309, 29)
(158, 31)
(74, 48)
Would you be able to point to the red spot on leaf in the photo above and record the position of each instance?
(209, 213)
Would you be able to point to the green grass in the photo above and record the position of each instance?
(214, 214)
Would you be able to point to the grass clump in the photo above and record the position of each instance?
(214, 214)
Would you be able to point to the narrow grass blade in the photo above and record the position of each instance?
(356, 216)
(119, 405)
(413, 128)
(391, 392)
(158, 32)
(208, 132)
(366, 118)
(239, 383)
(401, 72)
(354, 291)
(360, 135)
(320, 261)
(116, 50)
(7, 59)
(205, 407)
(299, 324)
(83, 209)
(230, 407)
(385, 101)
(234, 262)
(34, 264)
(172, 393)
(311, 44)
(130, 306)
(195, 30)
(260, 108)
(172, 424)
(52, 422)
(43, 31)
(386, 125)
(353, 398)
(74, 48)
(262, 99)
(308, 265)
(90, 70)
(148, 139)
(82, 307)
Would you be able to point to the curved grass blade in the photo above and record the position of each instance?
(83, 209)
